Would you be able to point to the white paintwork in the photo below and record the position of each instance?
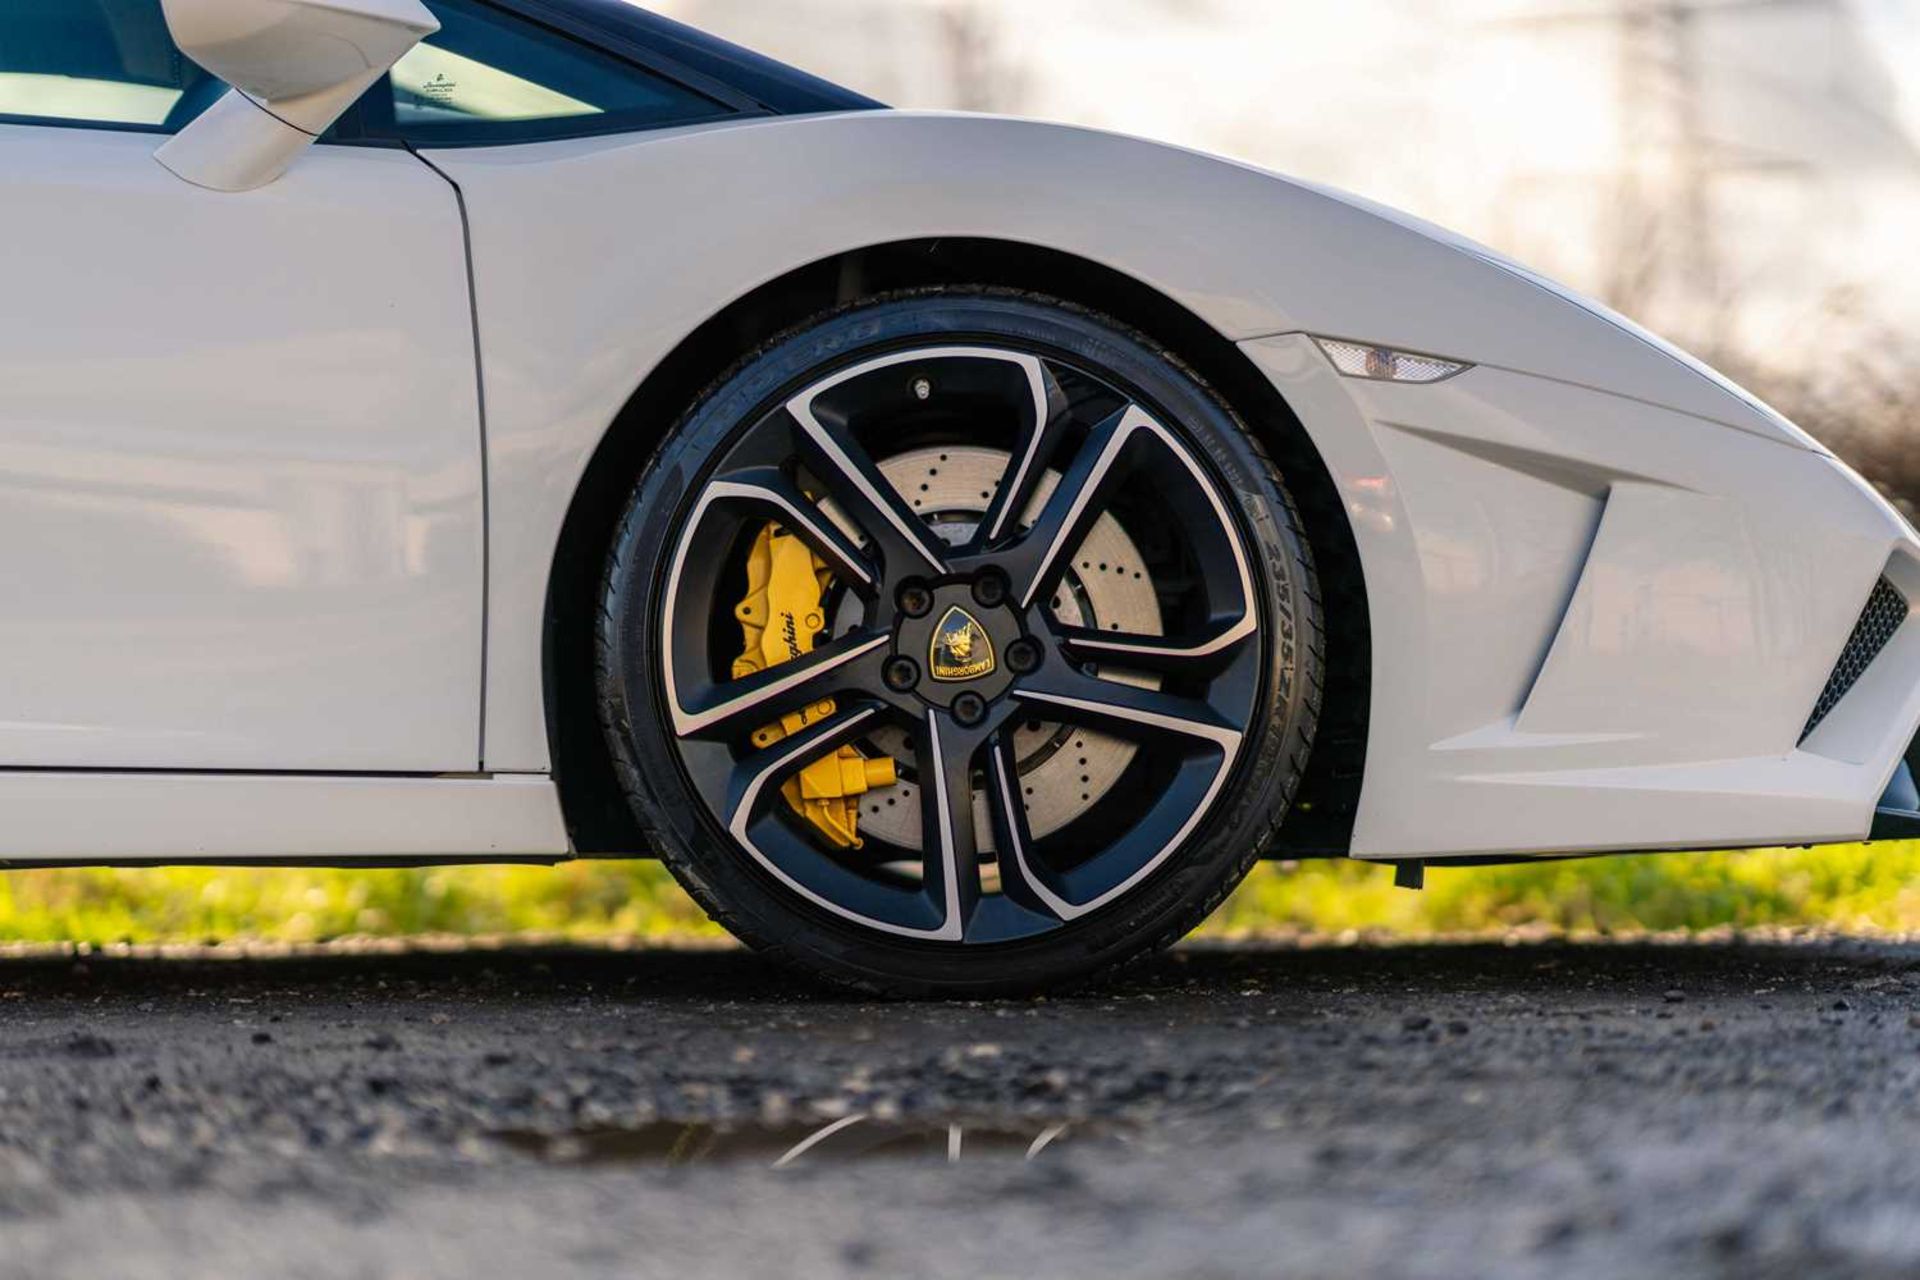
(294, 65)
(235, 145)
(243, 472)
(1532, 695)
(186, 817)
(663, 230)
(240, 498)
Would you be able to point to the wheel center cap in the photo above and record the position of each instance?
(960, 648)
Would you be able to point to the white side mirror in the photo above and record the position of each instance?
(294, 65)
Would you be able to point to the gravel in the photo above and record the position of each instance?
(1480, 1110)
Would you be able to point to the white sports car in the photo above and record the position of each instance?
(441, 430)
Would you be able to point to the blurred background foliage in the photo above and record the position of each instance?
(1856, 888)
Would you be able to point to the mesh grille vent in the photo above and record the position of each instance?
(1886, 610)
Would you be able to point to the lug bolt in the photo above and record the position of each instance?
(990, 590)
(1023, 655)
(969, 708)
(901, 674)
(915, 600)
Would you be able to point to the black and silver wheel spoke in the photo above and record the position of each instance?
(839, 462)
(1025, 878)
(732, 710)
(768, 492)
(924, 912)
(1164, 654)
(1043, 426)
(756, 780)
(951, 848)
(1234, 619)
(1201, 744)
(1036, 564)
(1129, 710)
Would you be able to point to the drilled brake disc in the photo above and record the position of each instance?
(1064, 770)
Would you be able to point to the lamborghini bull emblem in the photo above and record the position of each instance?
(960, 648)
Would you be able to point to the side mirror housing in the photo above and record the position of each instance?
(294, 65)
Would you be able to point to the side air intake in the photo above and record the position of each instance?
(1886, 610)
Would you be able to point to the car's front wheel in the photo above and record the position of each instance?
(959, 642)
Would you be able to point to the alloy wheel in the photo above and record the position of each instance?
(1027, 577)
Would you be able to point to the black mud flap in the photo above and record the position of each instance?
(1897, 816)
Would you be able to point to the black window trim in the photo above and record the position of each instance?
(92, 126)
(629, 50)
(697, 58)
(357, 128)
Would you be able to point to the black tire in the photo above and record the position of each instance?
(1241, 814)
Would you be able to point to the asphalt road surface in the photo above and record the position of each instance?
(1440, 1110)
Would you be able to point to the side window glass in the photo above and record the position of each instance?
(487, 76)
(97, 63)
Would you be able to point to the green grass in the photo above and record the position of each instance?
(1849, 887)
(1840, 887)
(196, 904)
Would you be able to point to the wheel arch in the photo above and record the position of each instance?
(598, 818)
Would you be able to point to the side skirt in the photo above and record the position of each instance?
(49, 818)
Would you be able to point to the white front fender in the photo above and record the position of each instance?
(595, 258)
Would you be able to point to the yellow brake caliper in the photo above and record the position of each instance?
(783, 609)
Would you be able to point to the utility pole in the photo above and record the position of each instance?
(967, 37)
(1663, 238)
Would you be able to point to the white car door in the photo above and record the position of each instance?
(241, 516)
